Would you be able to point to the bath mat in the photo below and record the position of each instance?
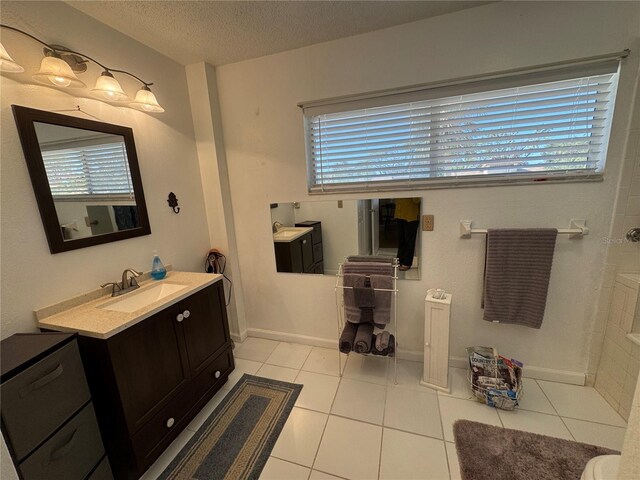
(237, 438)
(486, 452)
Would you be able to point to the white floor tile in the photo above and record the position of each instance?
(367, 368)
(596, 433)
(318, 392)
(277, 373)
(408, 456)
(167, 457)
(583, 403)
(534, 399)
(409, 375)
(316, 475)
(360, 401)
(256, 349)
(207, 410)
(349, 449)
(534, 422)
(412, 411)
(459, 384)
(452, 458)
(452, 409)
(290, 355)
(276, 469)
(324, 360)
(298, 442)
(242, 366)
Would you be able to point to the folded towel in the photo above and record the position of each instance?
(351, 311)
(382, 310)
(364, 297)
(363, 338)
(382, 340)
(370, 258)
(368, 268)
(348, 337)
(517, 272)
(389, 350)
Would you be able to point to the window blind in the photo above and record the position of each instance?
(532, 130)
(101, 169)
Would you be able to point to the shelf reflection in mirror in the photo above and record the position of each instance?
(315, 236)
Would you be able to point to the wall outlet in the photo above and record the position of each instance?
(427, 223)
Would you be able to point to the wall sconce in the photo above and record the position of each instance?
(61, 64)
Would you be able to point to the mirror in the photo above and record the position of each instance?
(315, 236)
(86, 179)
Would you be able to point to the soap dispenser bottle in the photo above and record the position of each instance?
(158, 272)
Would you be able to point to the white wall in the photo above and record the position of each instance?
(31, 277)
(263, 134)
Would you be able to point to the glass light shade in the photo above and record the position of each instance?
(7, 64)
(55, 71)
(145, 101)
(107, 88)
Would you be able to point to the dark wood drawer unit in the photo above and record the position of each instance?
(316, 240)
(47, 414)
(150, 380)
(295, 256)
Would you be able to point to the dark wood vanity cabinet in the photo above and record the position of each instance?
(316, 241)
(295, 256)
(150, 380)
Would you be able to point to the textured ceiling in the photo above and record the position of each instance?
(221, 32)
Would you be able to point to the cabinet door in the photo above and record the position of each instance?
(206, 332)
(149, 365)
(307, 253)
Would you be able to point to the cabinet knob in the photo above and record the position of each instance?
(427, 344)
(180, 317)
(186, 313)
(170, 422)
(304, 241)
(217, 374)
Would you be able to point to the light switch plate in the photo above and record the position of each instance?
(427, 223)
(339, 203)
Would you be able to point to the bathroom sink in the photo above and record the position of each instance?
(288, 234)
(130, 302)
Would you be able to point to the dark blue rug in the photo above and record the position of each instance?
(237, 438)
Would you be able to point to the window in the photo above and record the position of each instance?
(530, 127)
(88, 170)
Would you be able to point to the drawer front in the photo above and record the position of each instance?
(102, 472)
(42, 398)
(70, 454)
(317, 252)
(156, 435)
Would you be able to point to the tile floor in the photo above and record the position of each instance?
(363, 426)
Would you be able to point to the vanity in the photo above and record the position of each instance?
(153, 359)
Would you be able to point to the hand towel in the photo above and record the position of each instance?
(382, 310)
(363, 338)
(364, 297)
(352, 312)
(517, 272)
(348, 337)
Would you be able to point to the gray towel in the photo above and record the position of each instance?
(364, 297)
(348, 337)
(517, 271)
(364, 335)
(352, 312)
(382, 340)
(382, 310)
(368, 268)
(370, 258)
(389, 350)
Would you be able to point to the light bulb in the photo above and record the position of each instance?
(107, 88)
(7, 64)
(145, 101)
(57, 72)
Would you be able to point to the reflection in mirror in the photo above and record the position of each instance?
(314, 237)
(89, 178)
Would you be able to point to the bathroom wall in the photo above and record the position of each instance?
(263, 134)
(32, 277)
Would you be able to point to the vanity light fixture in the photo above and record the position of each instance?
(61, 64)
(8, 64)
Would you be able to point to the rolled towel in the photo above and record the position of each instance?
(382, 340)
(364, 297)
(363, 338)
(391, 349)
(374, 346)
(348, 337)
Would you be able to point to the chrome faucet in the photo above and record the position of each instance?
(276, 226)
(126, 285)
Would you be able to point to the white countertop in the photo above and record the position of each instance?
(88, 319)
(289, 234)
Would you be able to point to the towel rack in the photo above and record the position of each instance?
(577, 229)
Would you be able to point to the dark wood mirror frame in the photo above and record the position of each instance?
(25, 121)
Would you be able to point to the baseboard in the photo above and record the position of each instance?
(239, 337)
(530, 371)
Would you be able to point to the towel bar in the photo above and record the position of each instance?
(577, 229)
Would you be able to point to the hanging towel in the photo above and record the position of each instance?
(382, 310)
(364, 297)
(518, 267)
(348, 337)
(352, 312)
(370, 258)
(363, 338)
(368, 268)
